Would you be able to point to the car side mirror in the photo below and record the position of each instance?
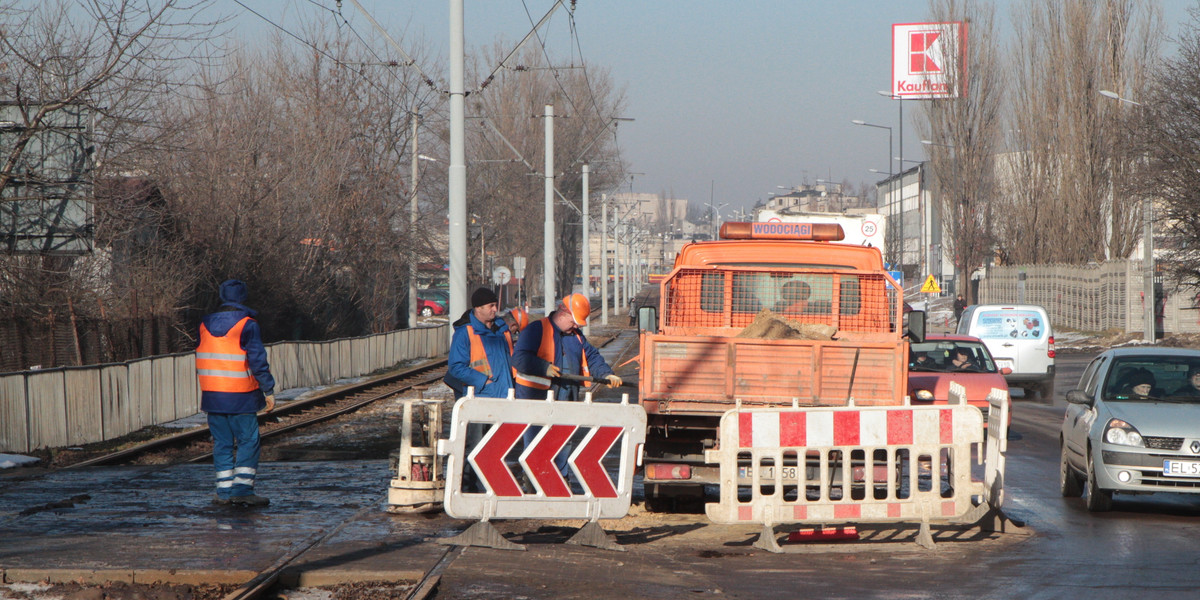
(914, 326)
(1006, 371)
(1079, 397)
(648, 318)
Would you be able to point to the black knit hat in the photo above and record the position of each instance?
(482, 297)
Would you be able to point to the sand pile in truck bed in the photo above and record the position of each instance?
(769, 325)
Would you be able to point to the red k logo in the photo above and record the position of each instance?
(920, 57)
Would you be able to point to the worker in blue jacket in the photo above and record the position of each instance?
(554, 346)
(235, 384)
(481, 349)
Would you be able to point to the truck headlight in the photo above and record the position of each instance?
(1121, 433)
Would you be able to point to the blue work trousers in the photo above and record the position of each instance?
(235, 453)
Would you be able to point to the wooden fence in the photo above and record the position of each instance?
(79, 405)
(1094, 297)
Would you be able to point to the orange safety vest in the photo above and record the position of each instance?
(546, 353)
(221, 362)
(479, 359)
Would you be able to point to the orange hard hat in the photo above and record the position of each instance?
(579, 306)
(520, 317)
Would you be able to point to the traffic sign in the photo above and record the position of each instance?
(931, 286)
(519, 267)
(594, 430)
(501, 275)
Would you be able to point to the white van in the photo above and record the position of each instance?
(1020, 338)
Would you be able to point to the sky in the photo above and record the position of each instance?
(731, 98)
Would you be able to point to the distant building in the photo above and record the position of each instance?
(813, 198)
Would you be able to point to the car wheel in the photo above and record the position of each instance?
(426, 312)
(1069, 482)
(1098, 500)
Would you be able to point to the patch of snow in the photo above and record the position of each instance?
(8, 461)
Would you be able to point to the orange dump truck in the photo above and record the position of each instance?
(694, 365)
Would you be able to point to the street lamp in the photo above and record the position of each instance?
(1148, 301)
(900, 255)
(711, 212)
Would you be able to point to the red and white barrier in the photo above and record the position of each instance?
(841, 465)
(597, 428)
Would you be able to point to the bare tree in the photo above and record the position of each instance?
(1068, 162)
(290, 173)
(507, 141)
(965, 131)
(1171, 149)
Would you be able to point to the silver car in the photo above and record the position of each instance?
(1133, 426)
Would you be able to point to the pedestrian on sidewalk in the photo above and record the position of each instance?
(959, 306)
(235, 384)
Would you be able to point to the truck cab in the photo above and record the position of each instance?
(697, 362)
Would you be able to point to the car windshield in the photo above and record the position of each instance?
(1154, 378)
(950, 356)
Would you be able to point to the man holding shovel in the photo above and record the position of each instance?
(552, 355)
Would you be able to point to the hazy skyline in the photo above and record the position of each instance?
(731, 99)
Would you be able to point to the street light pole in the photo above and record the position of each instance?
(900, 255)
(1148, 299)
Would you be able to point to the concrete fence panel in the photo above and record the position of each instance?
(60, 407)
(186, 385)
(84, 420)
(116, 409)
(14, 416)
(47, 409)
(141, 392)
(162, 389)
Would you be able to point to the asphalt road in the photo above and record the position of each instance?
(1145, 547)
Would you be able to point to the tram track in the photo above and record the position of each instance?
(195, 445)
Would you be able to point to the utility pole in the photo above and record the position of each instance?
(412, 226)
(548, 226)
(604, 259)
(586, 277)
(457, 183)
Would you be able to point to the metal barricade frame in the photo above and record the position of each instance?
(860, 465)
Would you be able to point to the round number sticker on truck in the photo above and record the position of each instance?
(869, 228)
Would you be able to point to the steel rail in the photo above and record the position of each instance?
(390, 384)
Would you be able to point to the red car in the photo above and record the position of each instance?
(941, 359)
(428, 308)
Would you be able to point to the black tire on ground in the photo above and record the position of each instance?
(1046, 390)
(1098, 500)
(1069, 482)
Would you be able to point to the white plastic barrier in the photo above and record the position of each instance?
(504, 465)
(840, 465)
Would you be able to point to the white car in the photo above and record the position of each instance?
(1020, 339)
(1133, 426)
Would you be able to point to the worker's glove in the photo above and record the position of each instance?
(270, 404)
(553, 371)
(614, 381)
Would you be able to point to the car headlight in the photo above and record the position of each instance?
(1122, 433)
(925, 395)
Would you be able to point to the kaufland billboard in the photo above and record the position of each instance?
(929, 60)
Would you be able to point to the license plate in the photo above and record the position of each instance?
(1178, 468)
(1004, 363)
(768, 473)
